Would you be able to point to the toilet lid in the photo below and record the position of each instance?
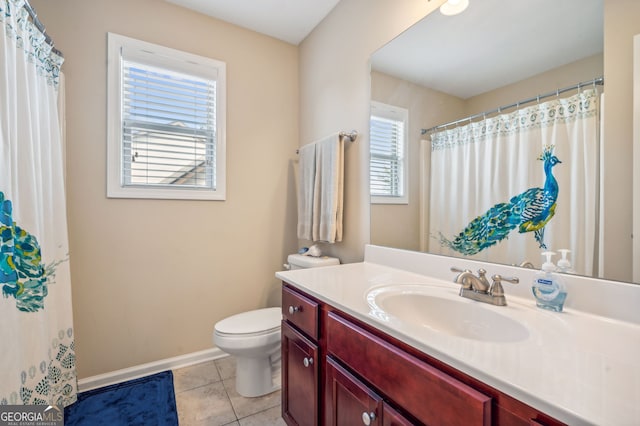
(260, 320)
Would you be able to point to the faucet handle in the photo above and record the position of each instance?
(482, 274)
(513, 280)
(496, 287)
(459, 270)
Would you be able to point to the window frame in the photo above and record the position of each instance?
(391, 112)
(171, 60)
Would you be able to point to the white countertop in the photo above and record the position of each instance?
(577, 367)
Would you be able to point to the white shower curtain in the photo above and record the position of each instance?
(37, 355)
(477, 166)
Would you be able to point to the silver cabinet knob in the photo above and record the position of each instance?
(294, 309)
(367, 418)
(307, 361)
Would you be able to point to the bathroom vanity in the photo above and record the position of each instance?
(389, 342)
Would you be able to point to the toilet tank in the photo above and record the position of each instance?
(299, 261)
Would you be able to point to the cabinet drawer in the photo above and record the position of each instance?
(430, 395)
(300, 311)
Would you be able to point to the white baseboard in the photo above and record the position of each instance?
(142, 370)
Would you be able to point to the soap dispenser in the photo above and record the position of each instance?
(548, 288)
(564, 265)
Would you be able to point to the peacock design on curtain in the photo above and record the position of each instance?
(529, 211)
(22, 273)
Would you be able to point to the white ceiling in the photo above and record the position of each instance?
(287, 20)
(497, 41)
(493, 43)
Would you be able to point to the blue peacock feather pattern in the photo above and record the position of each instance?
(22, 273)
(528, 211)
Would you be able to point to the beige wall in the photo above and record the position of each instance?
(621, 24)
(151, 277)
(335, 94)
(546, 82)
(397, 225)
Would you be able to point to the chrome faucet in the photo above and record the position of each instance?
(478, 287)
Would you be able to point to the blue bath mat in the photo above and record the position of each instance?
(145, 401)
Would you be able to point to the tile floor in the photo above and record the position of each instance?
(206, 396)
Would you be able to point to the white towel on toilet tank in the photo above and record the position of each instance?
(328, 190)
(306, 186)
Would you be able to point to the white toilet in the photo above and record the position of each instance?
(254, 339)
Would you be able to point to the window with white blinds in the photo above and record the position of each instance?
(167, 122)
(387, 164)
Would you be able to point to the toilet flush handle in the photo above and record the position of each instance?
(294, 309)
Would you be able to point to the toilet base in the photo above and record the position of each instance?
(256, 376)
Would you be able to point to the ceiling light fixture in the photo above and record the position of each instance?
(453, 7)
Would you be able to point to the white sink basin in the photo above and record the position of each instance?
(438, 309)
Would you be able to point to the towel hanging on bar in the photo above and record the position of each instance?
(321, 189)
(306, 185)
(328, 190)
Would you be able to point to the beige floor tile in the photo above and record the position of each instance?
(247, 406)
(226, 367)
(206, 405)
(206, 396)
(195, 376)
(270, 417)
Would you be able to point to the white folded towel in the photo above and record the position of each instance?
(306, 187)
(328, 192)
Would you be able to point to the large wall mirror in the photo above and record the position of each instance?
(485, 63)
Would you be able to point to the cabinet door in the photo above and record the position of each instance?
(299, 378)
(348, 401)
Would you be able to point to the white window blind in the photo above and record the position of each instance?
(166, 122)
(168, 128)
(387, 160)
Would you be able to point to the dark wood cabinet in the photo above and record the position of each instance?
(340, 371)
(301, 359)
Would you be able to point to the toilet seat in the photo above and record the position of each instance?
(251, 323)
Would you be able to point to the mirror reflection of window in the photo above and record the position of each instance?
(388, 160)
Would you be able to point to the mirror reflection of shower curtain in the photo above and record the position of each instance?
(479, 165)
